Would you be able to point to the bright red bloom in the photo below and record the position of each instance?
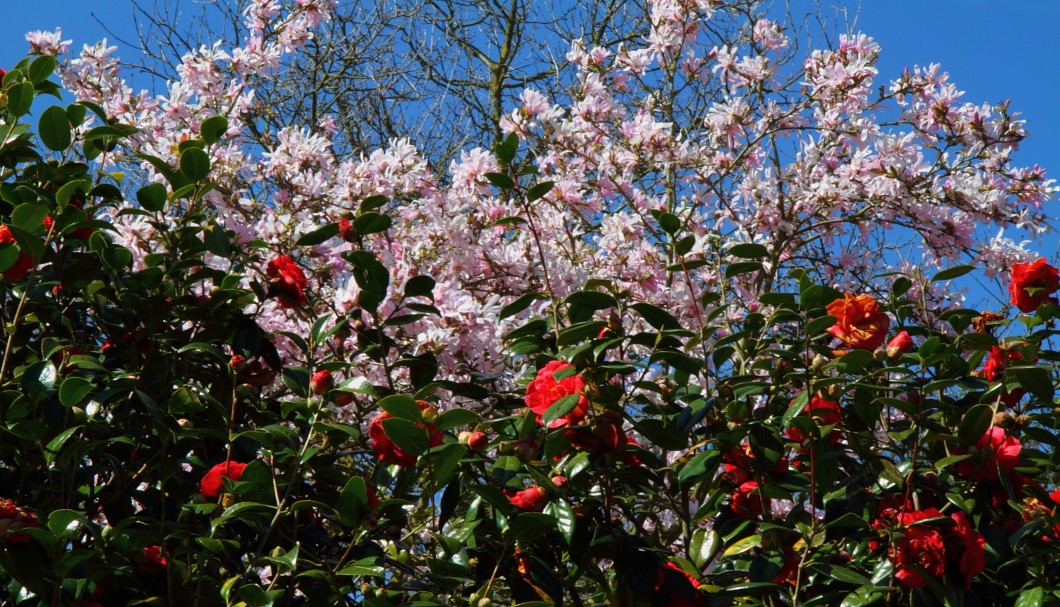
(22, 265)
(996, 361)
(288, 282)
(1041, 278)
(900, 344)
(970, 547)
(154, 560)
(533, 499)
(1003, 454)
(389, 453)
(824, 413)
(936, 548)
(748, 502)
(211, 484)
(544, 390)
(321, 382)
(921, 545)
(859, 323)
(994, 369)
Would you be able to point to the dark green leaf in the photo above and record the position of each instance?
(73, 390)
(410, 437)
(519, 305)
(19, 98)
(530, 526)
(41, 68)
(741, 267)
(353, 502)
(371, 276)
(55, 445)
(318, 235)
(419, 286)
(371, 223)
(29, 216)
(656, 317)
(500, 180)
(213, 129)
(951, 273)
(592, 300)
(560, 408)
(538, 190)
(401, 407)
(974, 423)
(195, 164)
(564, 515)
(1035, 380)
(505, 150)
(1031, 597)
(61, 522)
(54, 128)
(748, 250)
(152, 197)
(455, 418)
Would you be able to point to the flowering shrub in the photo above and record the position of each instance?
(616, 367)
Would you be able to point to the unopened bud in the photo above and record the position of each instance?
(818, 362)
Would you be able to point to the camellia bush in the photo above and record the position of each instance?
(688, 338)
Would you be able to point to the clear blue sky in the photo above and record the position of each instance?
(993, 50)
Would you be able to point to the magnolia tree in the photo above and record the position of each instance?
(657, 347)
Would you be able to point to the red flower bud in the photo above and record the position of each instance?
(478, 441)
(321, 382)
(533, 499)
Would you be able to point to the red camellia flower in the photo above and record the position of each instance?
(321, 382)
(22, 265)
(921, 545)
(996, 361)
(154, 560)
(1032, 284)
(748, 502)
(994, 369)
(859, 323)
(288, 282)
(545, 390)
(533, 499)
(385, 449)
(824, 413)
(1003, 454)
(971, 551)
(211, 484)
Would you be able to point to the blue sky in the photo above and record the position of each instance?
(992, 50)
